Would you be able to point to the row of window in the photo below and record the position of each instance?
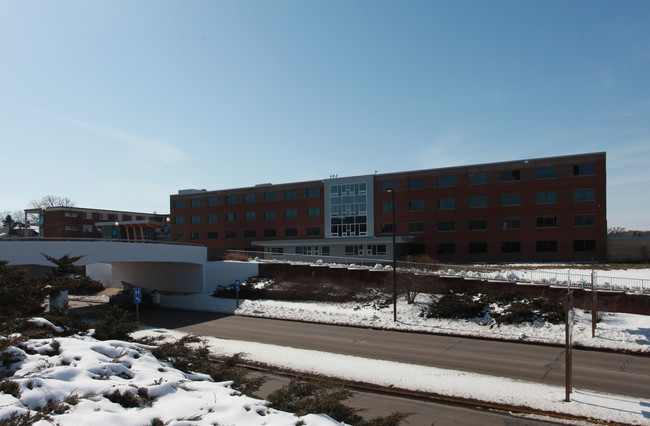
(515, 247)
(249, 216)
(252, 233)
(248, 198)
(546, 197)
(506, 176)
(579, 220)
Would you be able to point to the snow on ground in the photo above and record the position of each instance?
(82, 374)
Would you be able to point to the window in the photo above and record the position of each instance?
(212, 218)
(477, 178)
(87, 215)
(195, 235)
(291, 232)
(313, 193)
(584, 220)
(291, 195)
(478, 201)
(511, 223)
(179, 204)
(291, 213)
(269, 196)
(416, 183)
(584, 169)
(387, 228)
(511, 247)
(546, 221)
(416, 206)
(313, 212)
(103, 216)
(249, 216)
(196, 219)
(71, 228)
(353, 250)
(510, 176)
(325, 250)
(584, 195)
(385, 186)
(313, 231)
(231, 199)
(249, 198)
(269, 214)
(276, 250)
(446, 226)
(545, 172)
(446, 203)
(348, 215)
(584, 245)
(249, 233)
(87, 228)
(446, 248)
(546, 246)
(386, 207)
(195, 202)
(212, 201)
(230, 217)
(416, 227)
(179, 220)
(478, 247)
(510, 199)
(446, 181)
(477, 224)
(376, 249)
(546, 197)
(268, 233)
(214, 235)
(231, 234)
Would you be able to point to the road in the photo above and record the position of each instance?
(600, 371)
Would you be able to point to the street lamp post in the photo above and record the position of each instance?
(392, 192)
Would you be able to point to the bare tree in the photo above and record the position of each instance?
(616, 231)
(52, 201)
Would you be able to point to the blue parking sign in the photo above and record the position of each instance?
(237, 285)
(137, 295)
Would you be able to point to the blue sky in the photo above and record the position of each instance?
(118, 104)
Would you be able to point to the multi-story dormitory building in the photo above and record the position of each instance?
(547, 209)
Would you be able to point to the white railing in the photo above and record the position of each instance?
(579, 278)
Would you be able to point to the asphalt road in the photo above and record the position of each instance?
(600, 371)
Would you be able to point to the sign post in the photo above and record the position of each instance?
(137, 299)
(569, 346)
(237, 288)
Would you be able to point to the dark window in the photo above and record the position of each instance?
(385, 186)
(291, 195)
(510, 176)
(179, 220)
(446, 203)
(584, 220)
(545, 172)
(248, 216)
(249, 198)
(584, 195)
(387, 228)
(546, 197)
(478, 247)
(249, 233)
(231, 199)
(584, 245)
(416, 183)
(313, 231)
(447, 225)
(269, 196)
(179, 204)
(230, 217)
(386, 207)
(195, 235)
(511, 247)
(477, 224)
(212, 201)
(546, 221)
(213, 235)
(313, 211)
(416, 227)
(269, 233)
(477, 178)
(446, 248)
(584, 169)
(325, 250)
(291, 213)
(478, 201)
(546, 246)
(195, 202)
(510, 199)
(212, 218)
(231, 234)
(291, 232)
(415, 206)
(196, 219)
(269, 214)
(446, 181)
(511, 223)
(313, 192)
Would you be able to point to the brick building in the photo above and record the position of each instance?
(546, 209)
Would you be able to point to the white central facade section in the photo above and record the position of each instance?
(349, 208)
